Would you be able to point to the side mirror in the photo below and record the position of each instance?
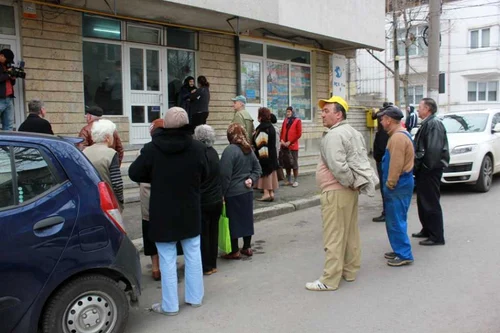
(496, 129)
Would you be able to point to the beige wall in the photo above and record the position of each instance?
(52, 50)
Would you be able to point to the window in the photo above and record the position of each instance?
(465, 123)
(495, 120)
(181, 38)
(144, 67)
(143, 34)
(7, 194)
(417, 47)
(415, 95)
(180, 66)
(301, 90)
(250, 48)
(284, 54)
(480, 38)
(7, 20)
(277, 88)
(482, 91)
(99, 27)
(251, 80)
(102, 77)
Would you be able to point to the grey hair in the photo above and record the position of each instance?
(101, 129)
(205, 134)
(35, 106)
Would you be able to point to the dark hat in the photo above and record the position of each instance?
(386, 104)
(95, 111)
(8, 54)
(392, 111)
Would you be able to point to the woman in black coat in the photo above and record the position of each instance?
(200, 99)
(185, 94)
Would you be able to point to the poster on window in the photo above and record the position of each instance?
(339, 74)
(250, 81)
(277, 88)
(301, 91)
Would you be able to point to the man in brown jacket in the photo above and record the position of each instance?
(91, 115)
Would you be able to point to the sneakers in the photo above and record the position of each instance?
(295, 184)
(156, 308)
(318, 286)
(389, 255)
(380, 218)
(397, 261)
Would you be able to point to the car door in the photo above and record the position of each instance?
(37, 216)
(496, 141)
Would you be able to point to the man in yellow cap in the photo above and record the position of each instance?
(343, 171)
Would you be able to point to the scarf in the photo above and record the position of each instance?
(237, 135)
(290, 120)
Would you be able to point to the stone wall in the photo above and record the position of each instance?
(52, 50)
(217, 63)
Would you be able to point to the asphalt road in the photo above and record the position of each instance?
(453, 288)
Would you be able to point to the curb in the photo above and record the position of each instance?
(266, 213)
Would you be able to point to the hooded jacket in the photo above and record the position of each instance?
(175, 165)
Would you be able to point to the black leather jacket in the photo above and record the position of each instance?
(431, 145)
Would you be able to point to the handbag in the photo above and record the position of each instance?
(224, 234)
(280, 174)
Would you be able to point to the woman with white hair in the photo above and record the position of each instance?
(211, 201)
(104, 158)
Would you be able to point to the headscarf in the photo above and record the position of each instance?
(186, 81)
(290, 120)
(237, 135)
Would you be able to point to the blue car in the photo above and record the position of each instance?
(66, 263)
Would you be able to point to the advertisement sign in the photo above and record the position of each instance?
(339, 75)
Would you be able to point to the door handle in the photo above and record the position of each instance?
(48, 222)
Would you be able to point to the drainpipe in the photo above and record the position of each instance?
(237, 57)
(449, 67)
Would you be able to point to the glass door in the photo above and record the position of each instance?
(146, 98)
(251, 85)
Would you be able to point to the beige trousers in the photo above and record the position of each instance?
(339, 210)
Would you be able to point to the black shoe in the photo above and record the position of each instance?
(389, 255)
(380, 218)
(399, 262)
(420, 234)
(430, 242)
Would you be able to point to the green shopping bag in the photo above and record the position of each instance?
(224, 235)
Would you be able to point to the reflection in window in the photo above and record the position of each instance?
(153, 113)
(102, 77)
(33, 174)
(277, 88)
(7, 196)
(138, 116)
(143, 35)
(7, 20)
(465, 123)
(250, 81)
(301, 91)
(136, 69)
(180, 65)
(284, 54)
(153, 70)
(250, 48)
(181, 38)
(100, 27)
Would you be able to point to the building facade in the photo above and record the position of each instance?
(131, 58)
(469, 58)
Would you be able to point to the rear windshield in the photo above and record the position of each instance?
(465, 123)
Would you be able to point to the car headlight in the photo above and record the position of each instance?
(463, 149)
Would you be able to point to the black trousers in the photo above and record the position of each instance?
(428, 202)
(199, 118)
(379, 171)
(149, 245)
(247, 243)
(210, 215)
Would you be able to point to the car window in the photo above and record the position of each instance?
(495, 120)
(33, 173)
(6, 184)
(465, 123)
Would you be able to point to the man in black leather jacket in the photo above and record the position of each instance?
(431, 157)
(379, 145)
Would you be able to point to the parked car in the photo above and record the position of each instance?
(67, 264)
(474, 143)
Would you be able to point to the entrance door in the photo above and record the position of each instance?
(145, 86)
(18, 101)
(251, 86)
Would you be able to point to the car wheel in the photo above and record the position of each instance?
(485, 179)
(89, 304)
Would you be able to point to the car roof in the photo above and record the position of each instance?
(31, 137)
(488, 111)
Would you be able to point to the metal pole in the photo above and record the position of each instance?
(433, 51)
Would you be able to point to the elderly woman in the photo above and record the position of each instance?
(104, 158)
(264, 141)
(175, 165)
(211, 202)
(291, 131)
(240, 169)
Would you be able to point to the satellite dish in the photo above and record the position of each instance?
(425, 36)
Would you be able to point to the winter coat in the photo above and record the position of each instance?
(175, 165)
(86, 134)
(36, 124)
(292, 133)
(431, 145)
(199, 101)
(4, 76)
(264, 141)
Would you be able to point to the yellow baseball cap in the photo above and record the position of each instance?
(334, 99)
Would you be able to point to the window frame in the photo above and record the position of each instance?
(419, 29)
(52, 164)
(414, 95)
(161, 36)
(486, 91)
(264, 59)
(479, 39)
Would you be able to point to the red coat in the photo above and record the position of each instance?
(294, 133)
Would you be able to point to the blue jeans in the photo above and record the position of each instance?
(194, 290)
(7, 113)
